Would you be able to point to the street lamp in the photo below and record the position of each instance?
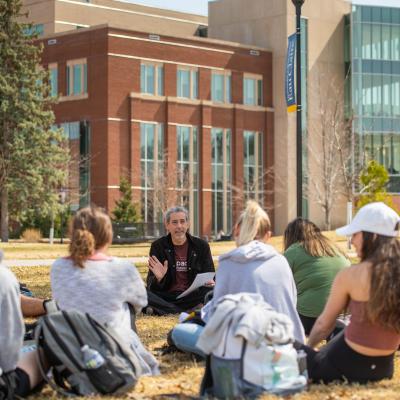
(62, 196)
(299, 145)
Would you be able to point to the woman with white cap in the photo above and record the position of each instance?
(370, 290)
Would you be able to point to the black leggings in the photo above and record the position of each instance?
(338, 362)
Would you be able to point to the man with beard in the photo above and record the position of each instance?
(174, 262)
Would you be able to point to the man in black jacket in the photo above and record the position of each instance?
(174, 262)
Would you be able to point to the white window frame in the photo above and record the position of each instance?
(258, 95)
(70, 78)
(226, 75)
(191, 70)
(156, 65)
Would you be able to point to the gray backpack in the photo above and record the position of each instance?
(62, 335)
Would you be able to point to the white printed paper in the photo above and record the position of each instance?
(199, 281)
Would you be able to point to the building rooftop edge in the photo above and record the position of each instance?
(376, 3)
(198, 39)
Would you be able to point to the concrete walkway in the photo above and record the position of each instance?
(48, 262)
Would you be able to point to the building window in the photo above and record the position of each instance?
(34, 30)
(253, 165)
(187, 165)
(78, 134)
(187, 83)
(252, 90)
(221, 87)
(53, 80)
(221, 180)
(152, 79)
(151, 162)
(76, 77)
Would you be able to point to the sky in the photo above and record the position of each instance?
(190, 6)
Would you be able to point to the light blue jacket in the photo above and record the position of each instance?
(258, 268)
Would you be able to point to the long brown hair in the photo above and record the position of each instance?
(383, 252)
(308, 234)
(91, 230)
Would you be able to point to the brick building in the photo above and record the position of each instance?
(184, 115)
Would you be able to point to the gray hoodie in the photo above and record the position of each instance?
(11, 322)
(258, 268)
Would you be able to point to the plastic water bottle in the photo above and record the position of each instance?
(91, 357)
(302, 362)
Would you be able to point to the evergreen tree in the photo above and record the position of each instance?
(33, 157)
(373, 179)
(125, 210)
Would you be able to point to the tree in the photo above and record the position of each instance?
(33, 157)
(125, 210)
(329, 144)
(373, 180)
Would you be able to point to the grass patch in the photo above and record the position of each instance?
(181, 373)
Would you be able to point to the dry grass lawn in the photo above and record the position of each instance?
(181, 374)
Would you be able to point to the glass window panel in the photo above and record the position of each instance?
(185, 143)
(249, 91)
(366, 14)
(150, 174)
(260, 91)
(376, 41)
(77, 79)
(142, 141)
(377, 94)
(85, 78)
(218, 88)
(184, 83)
(228, 146)
(150, 141)
(386, 42)
(143, 78)
(386, 84)
(376, 14)
(395, 12)
(395, 154)
(160, 138)
(68, 80)
(366, 41)
(395, 95)
(367, 94)
(54, 82)
(395, 42)
(150, 79)
(160, 80)
(386, 17)
(195, 144)
(195, 84)
(228, 88)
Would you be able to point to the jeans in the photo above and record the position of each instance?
(184, 337)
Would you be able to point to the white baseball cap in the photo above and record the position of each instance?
(375, 218)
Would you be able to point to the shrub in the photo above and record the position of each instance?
(31, 235)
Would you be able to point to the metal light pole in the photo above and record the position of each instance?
(299, 143)
(62, 197)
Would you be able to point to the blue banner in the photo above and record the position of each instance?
(289, 80)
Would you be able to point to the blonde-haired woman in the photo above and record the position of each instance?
(253, 267)
(92, 282)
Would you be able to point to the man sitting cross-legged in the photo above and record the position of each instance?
(174, 262)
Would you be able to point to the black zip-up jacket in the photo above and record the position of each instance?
(199, 260)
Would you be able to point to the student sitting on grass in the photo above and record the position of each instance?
(364, 351)
(315, 261)
(19, 372)
(92, 282)
(253, 267)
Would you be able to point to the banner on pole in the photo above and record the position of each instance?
(289, 80)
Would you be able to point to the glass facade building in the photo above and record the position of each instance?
(375, 87)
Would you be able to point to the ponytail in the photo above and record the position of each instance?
(82, 246)
(254, 224)
(91, 230)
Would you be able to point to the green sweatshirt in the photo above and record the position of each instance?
(313, 277)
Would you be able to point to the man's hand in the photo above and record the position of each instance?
(210, 283)
(159, 270)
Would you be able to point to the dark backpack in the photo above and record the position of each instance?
(61, 336)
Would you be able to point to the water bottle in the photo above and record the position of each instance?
(302, 362)
(91, 357)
